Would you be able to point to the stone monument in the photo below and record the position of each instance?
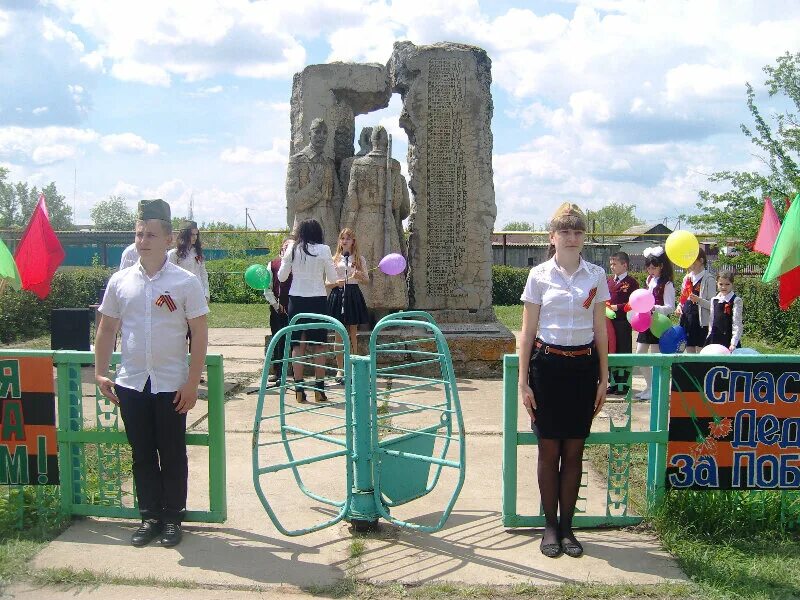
(312, 185)
(364, 146)
(378, 227)
(447, 113)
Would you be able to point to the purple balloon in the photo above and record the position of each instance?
(392, 264)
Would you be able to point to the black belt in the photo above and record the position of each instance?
(548, 349)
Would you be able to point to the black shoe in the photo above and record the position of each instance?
(172, 535)
(147, 532)
(572, 547)
(610, 391)
(550, 550)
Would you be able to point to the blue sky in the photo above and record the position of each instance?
(596, 101)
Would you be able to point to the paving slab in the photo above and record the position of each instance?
(29, 591)
(247, 550)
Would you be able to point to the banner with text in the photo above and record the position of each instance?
(28, 449)
(734, 426)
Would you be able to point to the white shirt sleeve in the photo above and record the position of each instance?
(330, 270)
(736, 333)
(532, 293)
(195, 304)
(603, 293)
(286, 263)
(669, 300)
(204, 280)
(110, 304)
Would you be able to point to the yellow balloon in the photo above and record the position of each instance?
(682, 248)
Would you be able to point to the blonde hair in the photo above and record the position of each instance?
(568, 216)
(355, 255)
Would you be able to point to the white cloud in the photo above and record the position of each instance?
(128, 143)
(151, 41)
(5, 23)
(278, 154)
(51, 32)
(131, 70)
(125, 189)
(43, 145)
(698, 82)
(93, 60)
(46, 155)
(40, 110)
(206, 91)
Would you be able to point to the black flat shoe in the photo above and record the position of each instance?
(172, 535)
(572, 548)
(550, 550)
(147, 532)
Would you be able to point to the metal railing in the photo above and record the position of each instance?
(94, 453)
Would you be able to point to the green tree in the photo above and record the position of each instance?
(613, 218)
(735, 214)
(8, 201)
(59, 211)
(113, 215)
(518, 226)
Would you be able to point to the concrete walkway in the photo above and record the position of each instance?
(248, 552)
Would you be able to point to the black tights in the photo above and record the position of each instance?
(560, 470)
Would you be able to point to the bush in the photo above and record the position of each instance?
(507, 284)
(23, 315)
(226, 281)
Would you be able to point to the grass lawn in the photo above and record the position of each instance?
(238, 315)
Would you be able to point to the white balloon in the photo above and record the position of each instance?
(715, 349)
(745, 351)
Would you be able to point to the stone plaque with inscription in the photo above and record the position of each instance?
(447, 114)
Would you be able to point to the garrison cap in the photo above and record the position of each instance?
(153, 209)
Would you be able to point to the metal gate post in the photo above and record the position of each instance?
(363, 513)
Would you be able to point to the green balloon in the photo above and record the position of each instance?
(660, 324)
(610, 313)
(258, 277)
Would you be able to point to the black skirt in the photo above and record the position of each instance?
(690, 320)
(646, 337)
(313, 304)
(355, 308)
(565, 389)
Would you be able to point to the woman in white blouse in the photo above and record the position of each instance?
(308, 260)
(563, 370)
(189, 255)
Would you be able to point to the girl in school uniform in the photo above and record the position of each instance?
(659, 282)
(697, 290)
(308, 260)
(563, 370)
(189, 255)
(726, 314)
(345, 300)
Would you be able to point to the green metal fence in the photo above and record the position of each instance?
(619, 438)
(94, 454)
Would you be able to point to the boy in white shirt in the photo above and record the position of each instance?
(152, 302)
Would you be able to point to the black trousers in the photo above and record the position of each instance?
(619, 376)
(157, 435)
(277, 321)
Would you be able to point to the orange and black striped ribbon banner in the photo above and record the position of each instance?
(734, 426)
(588, 302)
(167, 299)
(28, 449)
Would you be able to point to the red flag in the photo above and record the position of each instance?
(39, 252)
(768, 231)
(788, 288)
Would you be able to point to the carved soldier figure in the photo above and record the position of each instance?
(365, 145)
(312, 187)
(378, 227)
